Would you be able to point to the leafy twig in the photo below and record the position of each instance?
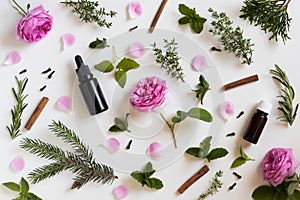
(17, 111)
(99, 44)
(81, 161)
(232, 39)
(120, 125)
(214, 187)
(202, 88)
(286, 97)
(242, 159)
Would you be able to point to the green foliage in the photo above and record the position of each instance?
(286, 97)
(17, 111)
(169, 60)
(79, 161)
(120, 125)
(270, 15)
(242, 159)
(104, 66)
(203, 150)
(191, 17)
(232, 39)
(144, 177)
(214, 187)
(202, 88)
(99, 44)
(90, 11)
(22, 189)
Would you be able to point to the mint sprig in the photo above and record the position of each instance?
(242, 159)
(99, 44)
(120, 125)
(202, 88)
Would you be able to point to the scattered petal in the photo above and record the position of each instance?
(13, 58)
(227, 109)
(121, 191)
(68, 40)
(64, 103)
(112, 144)
(137, 49)
(153, 150)
(135, 9)
(17, 164)
(198, 62)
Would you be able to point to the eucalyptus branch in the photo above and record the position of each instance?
(81, 161)
(17, 110)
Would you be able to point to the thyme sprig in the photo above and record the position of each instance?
(90, 11)
(17, 110)
(169, 60)
(232, 39)
(214, 187)
(80, 161)
(286, 97)
(270, 15)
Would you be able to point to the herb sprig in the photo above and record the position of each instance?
(214, 187)
(231, 38)
(242, 159)
(120, 125)
(80, 161)
(17, 110)
(286, 97)
(99, 44)
(202, 88)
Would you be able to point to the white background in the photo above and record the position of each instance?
(48, 53)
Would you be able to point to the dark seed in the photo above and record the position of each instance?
(51, 74)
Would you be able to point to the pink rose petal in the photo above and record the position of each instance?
(64, 103)
(135, 9)
(17, 164)
(153, 150)
(13, 58)
(68, 40)
(121, 191)
(198, 62)
(227, 109)
(112, 144)
(137, 49)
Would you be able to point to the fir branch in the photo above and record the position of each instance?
(169, 60)
(214, 187)
(81, 162)
(89, 11)
(17, 110)
(286, 97)
(270, 15)
(232, 39)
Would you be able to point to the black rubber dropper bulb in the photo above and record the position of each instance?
(90, 88)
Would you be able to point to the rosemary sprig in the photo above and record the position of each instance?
(214, 187)
(270, 15)
(17, 110)
(89, 11)
(170, 59)
(286, 97)
(81, 161)
(232, 39)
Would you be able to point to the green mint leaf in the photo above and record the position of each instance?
(31, 196)
(280, 195)
(115, 128)
(181, 115)
(24, 186)
(291, 188)
(184, 20)
(295, 196)
(201, 114)
(127, 64)
(154, 183)
(264, 192)
(202, 88)
(244, 155)
(99, 44)
(216, 153)
(137, 175)
(183, 9)
(105, 66)
(238, 162)
(197, 25)
(148, 167)
(176, 120)
(121, 78)
(12, 186)
(120, 124)
(193, 151)
(205, 147)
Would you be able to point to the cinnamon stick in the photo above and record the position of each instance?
(36, 113)
(157, 15)
(193, 179)
(240, 82)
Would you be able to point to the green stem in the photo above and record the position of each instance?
(19, 8)
(286, 4)
(171, 127)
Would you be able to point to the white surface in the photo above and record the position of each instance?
(48, 53)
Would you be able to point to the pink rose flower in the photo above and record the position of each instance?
(148, 94)
(278, 164)
(34, 26)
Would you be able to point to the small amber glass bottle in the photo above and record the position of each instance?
(257, 122)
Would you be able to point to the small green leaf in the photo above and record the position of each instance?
(115, 128)
(216, 153)
(105, 66)
(99, 44)
(238, 162)
(201, 114)
(122, 124)
(244, 155)
(280, 195)
(176, 120)
(12, 186)
(121, 78)
(155, 183)
(148, 167)
(184, 20)
(137, 176)
(183, 9)
(295, 196)
(24, 186)
(31, 196)
(263, 192)
(127, 64)
(291, 187)
(194, 151)
(197, 25)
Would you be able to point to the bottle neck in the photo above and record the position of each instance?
(262, 112)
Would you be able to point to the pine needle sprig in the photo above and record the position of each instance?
(214, 187)
(270, 15)
(232, 39)
(286, 97)
(81, 162)
(17, 110)
(169, 60)
(89, 11)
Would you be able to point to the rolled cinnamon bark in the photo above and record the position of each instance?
(36, 113)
